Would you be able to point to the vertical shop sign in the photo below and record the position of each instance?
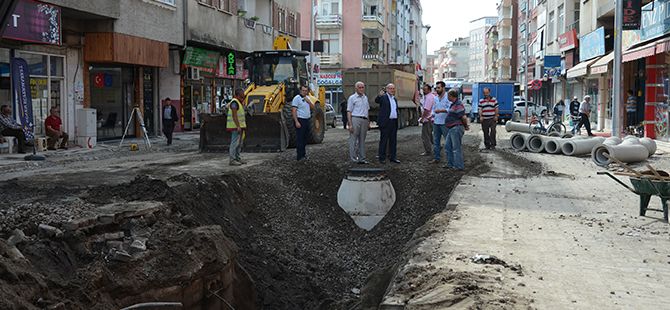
(35, 22)
(230, 64)
(632, 13)
(21, 90)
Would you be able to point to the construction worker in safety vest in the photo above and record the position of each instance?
(237, 125)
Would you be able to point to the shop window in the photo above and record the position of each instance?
(46, 85)
(107, 97)
(5, 84)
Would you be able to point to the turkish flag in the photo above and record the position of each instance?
(99, 79)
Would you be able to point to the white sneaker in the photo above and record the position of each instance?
(235, 163)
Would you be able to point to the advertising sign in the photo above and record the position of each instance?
(21, 88)
(203, 59)
(592, 44)
(568, 40)
(654, 23)
(323, 79)
(631, 14)
(35, 22)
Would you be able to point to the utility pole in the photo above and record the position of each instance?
(311, 49)
(618, 76)
(525, 63)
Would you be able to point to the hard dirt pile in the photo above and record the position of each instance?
(279, 222)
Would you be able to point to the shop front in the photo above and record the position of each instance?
(122, 83)
(43, 56)
(208, 82)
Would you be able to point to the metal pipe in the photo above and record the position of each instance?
(154, 304)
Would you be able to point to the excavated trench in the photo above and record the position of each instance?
(270, 236)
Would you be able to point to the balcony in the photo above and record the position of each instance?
(504, 62)
(504, 22)
(331, 60)
(574, 25)
(329, 22)
(504, 42)
(373, 26)
(371, 59)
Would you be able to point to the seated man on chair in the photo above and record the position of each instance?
(9, 127)
(53, 124)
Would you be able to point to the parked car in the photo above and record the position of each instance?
(467, 104)
(519, 98)
(331, 115)
(520, 109)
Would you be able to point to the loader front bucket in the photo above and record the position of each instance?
(264, 133)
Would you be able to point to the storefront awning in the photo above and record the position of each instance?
(601, 65)
(640, 52)
(581, 69)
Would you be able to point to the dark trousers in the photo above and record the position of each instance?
(168, 128)
(344, 120)
(16, 133)
(55, 136)
(389, 134)
(489, 129)
(630, 118)
(302, 135)
(584, 120)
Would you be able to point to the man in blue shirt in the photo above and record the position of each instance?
(301, 115)
(440, 109)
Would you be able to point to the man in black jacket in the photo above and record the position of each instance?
(387, 120)
(169, 120)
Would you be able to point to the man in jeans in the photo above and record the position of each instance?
(236, 123)
(488, 116)
(426, 120)
(441, 107)
(457, 122)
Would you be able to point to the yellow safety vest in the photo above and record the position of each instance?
(240, 116)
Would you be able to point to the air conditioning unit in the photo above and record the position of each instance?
(192, 73)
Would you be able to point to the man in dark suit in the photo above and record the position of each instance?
(169, 120)
(387, 120)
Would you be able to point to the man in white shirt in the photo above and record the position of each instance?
(426, 120)
(359, 123)
(301, 115)
(584, 112)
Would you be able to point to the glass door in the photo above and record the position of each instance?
(186, 107)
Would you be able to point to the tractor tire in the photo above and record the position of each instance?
(317, 125)
(290, 126)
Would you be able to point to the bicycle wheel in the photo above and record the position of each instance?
(557, 127)
(535, 127)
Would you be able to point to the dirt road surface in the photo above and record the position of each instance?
(303, 252)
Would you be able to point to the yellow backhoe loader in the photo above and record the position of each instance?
(275, 78)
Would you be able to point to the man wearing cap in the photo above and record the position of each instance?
(584, 112)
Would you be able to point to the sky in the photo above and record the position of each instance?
(450, 19)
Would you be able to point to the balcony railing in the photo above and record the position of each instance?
(331, 60)
(329, 21)
(370, 56)
(373, 18)
(575, 26)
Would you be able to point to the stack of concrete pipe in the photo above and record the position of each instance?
(534, 143)
(631, 149)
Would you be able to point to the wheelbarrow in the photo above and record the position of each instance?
(645, 188)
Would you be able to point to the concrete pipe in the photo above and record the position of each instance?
(553, 145)
(650, 144)
(366, 194)
(518, 141)
(514, 126)
(612, 141)
(629, 151)
(536, 143)
(567, 135)
(576, 147)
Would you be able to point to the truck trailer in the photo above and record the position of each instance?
(502, 91)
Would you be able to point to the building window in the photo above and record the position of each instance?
(224, 5)
(561, 20)
(550, 35)
(282, 20)
(331, 43)
(208, 2)
(170, 2)
(291, 23)
(46, 84)
(330, 7)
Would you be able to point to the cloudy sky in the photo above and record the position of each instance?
(450, 19)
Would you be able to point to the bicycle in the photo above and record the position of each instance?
(536, 126)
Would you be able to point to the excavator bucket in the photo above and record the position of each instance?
(265, 133)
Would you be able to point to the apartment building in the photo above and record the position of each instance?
(431, 69)
(477, 55)
(502, 47)
(453, 60)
